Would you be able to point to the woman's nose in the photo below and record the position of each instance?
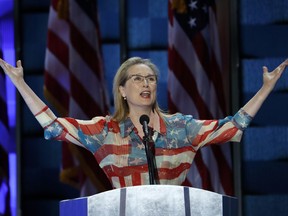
(145, 82)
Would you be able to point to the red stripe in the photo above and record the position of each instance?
(105, 150)
(43, 110)
(200, 138)
(112, 170)
(136, 179)
(171, 152)
(165, 173)
(122, 181)
(93, 129)
(225, 136)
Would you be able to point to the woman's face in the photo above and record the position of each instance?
(140, 87)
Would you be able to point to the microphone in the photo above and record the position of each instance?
(144, 120)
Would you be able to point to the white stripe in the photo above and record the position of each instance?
(178, 159)
(144, 178)
(128, 180)
(115, 181)
(208, 127)
(57, 70)
(184, 47)
(179, 96)
(116, 160)
(44, 119)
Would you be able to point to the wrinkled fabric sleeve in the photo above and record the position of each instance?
(206, 132)
(85, 133)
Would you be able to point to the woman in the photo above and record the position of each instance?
(116, 141)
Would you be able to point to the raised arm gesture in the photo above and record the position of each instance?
(269, 81)
(16, 75)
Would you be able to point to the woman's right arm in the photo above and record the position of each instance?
(35, 104)
(65, 129)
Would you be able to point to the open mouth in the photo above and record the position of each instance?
(145, 94)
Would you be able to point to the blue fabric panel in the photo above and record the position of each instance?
(39, 207)
(108, 12)
(260, 41)
(34, 44)
(263, 12)
(230, 206)
(265, 205)
(111, 57)
(32, 4)
(265, 177)
(147, 24)
(76, 207)
(265, 143)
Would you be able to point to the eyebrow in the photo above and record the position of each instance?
(142, 75)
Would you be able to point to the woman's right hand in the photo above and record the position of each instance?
(15, 73)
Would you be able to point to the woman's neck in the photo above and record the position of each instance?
(135, 118)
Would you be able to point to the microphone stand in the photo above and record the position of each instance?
(150, 158)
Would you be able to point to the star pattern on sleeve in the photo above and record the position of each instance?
(53, 130)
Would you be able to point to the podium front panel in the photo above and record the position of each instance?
(153, 200)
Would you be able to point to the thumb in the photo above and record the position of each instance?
(19, 63)
(265, 69)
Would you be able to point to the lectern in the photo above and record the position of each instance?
(152, 200)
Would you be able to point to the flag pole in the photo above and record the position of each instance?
(236, 147)
(123, 31)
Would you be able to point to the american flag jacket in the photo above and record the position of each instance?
(120, 152)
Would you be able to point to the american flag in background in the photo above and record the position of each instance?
(195, 85)
(4, 142)
(74, 81)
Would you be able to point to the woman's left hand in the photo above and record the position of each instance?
(270, 78)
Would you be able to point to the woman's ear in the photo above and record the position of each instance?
(122, 91)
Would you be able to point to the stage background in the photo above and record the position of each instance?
(261, 35)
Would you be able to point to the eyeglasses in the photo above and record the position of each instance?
(151, 79)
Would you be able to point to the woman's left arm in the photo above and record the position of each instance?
(269, 81)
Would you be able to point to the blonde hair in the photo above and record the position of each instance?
(121, 107)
